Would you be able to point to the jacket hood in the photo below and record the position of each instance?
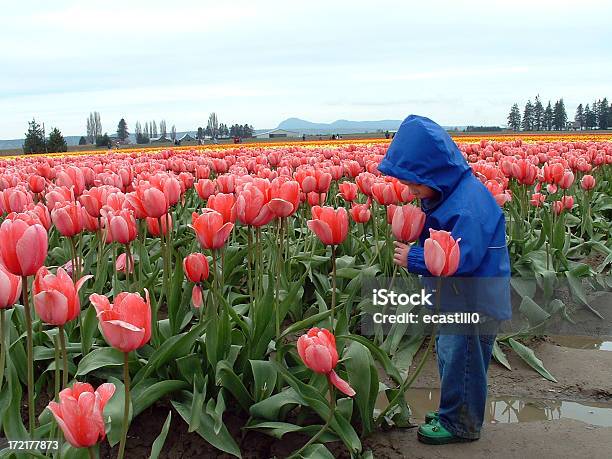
(422, 152)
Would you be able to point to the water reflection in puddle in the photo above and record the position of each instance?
(510, 409)
(583, 342)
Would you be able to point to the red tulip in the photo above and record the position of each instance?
(205, 188)
(285, 197)
(125, 324)
(329, 224)
(14, 200)
(588, 182)
(10, 288)
(67, 218)
(121, 226)
(210, 229)
(553, 173)
(196, 267)
(224, 204)
(79, 413)
(524, 172)
(360, 213)
(348, 191)
(408, 222)
(123, 264)
(317, 349)
(384, 193)
(56, 297)
(252, 208)
(441, 253)
(567, 180)
(36, 183)
(24, 247)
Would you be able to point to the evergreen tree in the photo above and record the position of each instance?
(528, 117)
(579, 118)
(200, 134)
(162, 128)
(559, 115)
(604, 114)
(122, 132)
(103, 141)
(34, 139)
(589, 117)
(56, 142)
(514, 118)
(548, 117)
(82, 141)
(595, 110)
(213, 125)
(153, 129)
(538, 114)
(173, 132)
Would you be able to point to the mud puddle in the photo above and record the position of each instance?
(583, 342)
(510, 409)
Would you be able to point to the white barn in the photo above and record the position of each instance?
(276, 133)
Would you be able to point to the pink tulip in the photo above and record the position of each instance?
(441, 253)
(284, 197)
(224, 204)
(348, 191)
(67, 218)
(153, 225)
(408, 222)
(123, 264)
(79, 413)
(24, 247)
(36, 183)
(252, 208)
(360, 213)
(196, 267)
(329, 224)
(121, 226)
(384, 193)
(588, 182)
(317, 349)
(125, 324)
(205, 188)
(56, 297)
(10, 288)
(210, 229)
(567, 180)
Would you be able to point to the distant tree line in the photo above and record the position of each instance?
(482, 129)
(554, 117)
(36, 141)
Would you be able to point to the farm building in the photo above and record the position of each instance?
(186, 138)
(274, 133)
(160, 139)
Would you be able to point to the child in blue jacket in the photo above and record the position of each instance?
(423, 156)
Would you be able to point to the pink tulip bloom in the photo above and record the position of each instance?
(384, 193)
(348, 191)
(68, 218)
(79, 413)
(10, 288)
(317, 349)
(24, 247)
(205, 188)
(56, 297)
(407, 223)
(196, 267)
(441, 253)
(153, 225)
(252, 209)
(125, 324)
(123, 264)
(224, 204)
(588, 182)
(567, 180)
(120, 226)
(329, 224)
(360, 213)
(36, 183)
(211, 231)
(284, 197)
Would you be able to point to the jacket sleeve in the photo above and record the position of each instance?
(473, 245)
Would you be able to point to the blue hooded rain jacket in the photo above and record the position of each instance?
(423, 153)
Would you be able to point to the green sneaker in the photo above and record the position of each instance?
(431, 415)
(435, 434)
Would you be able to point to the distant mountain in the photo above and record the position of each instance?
(339, 126)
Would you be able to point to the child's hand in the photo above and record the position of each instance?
(400, 255)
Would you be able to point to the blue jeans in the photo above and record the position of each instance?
(464, 353)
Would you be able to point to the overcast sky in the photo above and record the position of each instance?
(458, 62)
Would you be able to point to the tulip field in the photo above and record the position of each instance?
(227, 280)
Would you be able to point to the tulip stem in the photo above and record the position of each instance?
(92, 454)
(408, 381)
(333, 295)
(126, 404)
(332, 412)
(62, 341)
(3, 348)
(279, 258)
(28, 317)
(250, 263)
